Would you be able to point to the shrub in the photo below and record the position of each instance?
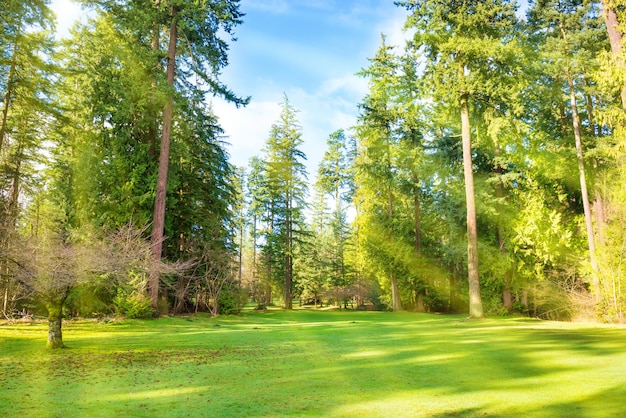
(132, 305)
(231, 299)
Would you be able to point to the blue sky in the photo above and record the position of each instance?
(307, 49)
(310, 50)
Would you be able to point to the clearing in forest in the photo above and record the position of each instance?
(315, 363)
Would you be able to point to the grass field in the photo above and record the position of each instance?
(312, 363)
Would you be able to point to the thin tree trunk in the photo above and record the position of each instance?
(9, 93)
(154, 126)
(14, 192)
(598, 200)
(507, 296)
(507, 293)
(159, 204)
(268, 288)
(288, 266)
(289, 251)
(417, 214)
(615, 39)
(240, 252)
(599, 210)
(475, 302)
(583, 189)
(396, 302)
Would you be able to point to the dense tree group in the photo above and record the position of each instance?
(485, 172)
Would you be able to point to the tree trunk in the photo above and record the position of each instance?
(289, 252)
(288, 269)
(599, 211)
(615, 39)
(598, 200)
(396, 302)
(55, 319)
(420, 300)
(164, 157)
(395, 293)
(270, 256)
(583, 189)
(240, 272)
(9, 92)
(154, 125)
(507, 296)
(475, 303)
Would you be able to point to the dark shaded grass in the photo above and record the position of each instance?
(312, 363)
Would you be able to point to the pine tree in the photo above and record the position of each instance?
(194, 45)
(378, 160)
(566, 26)
(466, 52)
(286, 176)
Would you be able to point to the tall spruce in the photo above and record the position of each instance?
(465, 52)
(565, 26)
(193, 45)
(377, 162)
(286, 176)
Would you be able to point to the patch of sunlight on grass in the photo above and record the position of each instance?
(310, 363)
(146, 394)
(413, 403)
(362, 354)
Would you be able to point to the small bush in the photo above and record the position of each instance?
(132, 305)
(231, 300)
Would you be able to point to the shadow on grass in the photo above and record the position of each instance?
(308, 363)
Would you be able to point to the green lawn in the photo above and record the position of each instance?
(310, 363)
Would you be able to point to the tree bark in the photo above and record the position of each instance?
(615, 39)
(9, 92)
(598, 200)
(164, 157)
(55, 319)
(270, 255)
(288, 262)
(417, 214)
(583, 189)
(396, 302)
(475, 302)
(507, 295)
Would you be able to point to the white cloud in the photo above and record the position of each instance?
(68, 13)
(393, 29)
(320, 112)
(351, 85)
(246, 128)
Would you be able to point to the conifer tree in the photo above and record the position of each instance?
(566, 25)
(465, 48)
(286, 176)
(377, 162)
(194, 45)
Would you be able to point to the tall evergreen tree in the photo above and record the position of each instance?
(194, 45)
(286, 176)
(566, 26)
(27, 109)
(377, 164)
(466, 50)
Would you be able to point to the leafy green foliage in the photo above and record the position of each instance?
(132, 305)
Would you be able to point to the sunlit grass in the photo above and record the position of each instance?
(308, 363)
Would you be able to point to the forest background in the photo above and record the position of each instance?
(485, 171)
